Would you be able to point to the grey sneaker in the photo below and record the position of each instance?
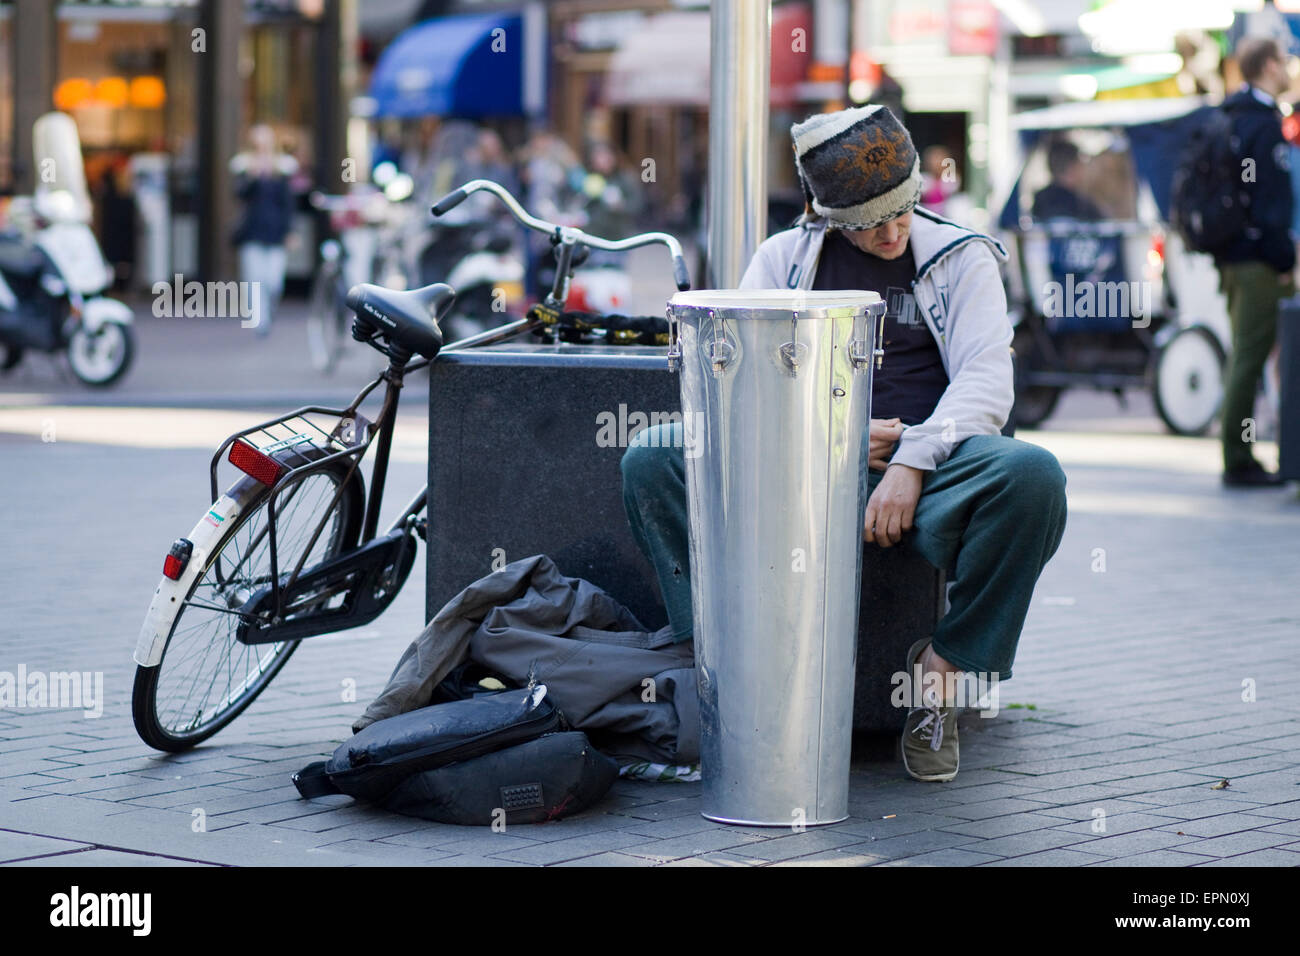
(930, 750)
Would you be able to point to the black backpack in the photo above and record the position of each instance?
(1210, 205)
(494, 758)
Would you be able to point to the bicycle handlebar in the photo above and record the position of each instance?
(568, 234)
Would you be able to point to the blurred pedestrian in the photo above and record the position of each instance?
(488, 159)
(117, 220)
(1255, 269)
(263, 176)
(547, 169)
(1063, 197)
(939, 178)
(941, 190)
(611, 192)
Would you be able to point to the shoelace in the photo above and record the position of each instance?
(933, 723)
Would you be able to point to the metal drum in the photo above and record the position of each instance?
(777, 388)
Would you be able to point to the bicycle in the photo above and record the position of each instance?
(356, 220)
(291, 549)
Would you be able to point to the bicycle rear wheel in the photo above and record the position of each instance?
(326, 320)
(206, 676)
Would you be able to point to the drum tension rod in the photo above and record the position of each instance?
(880, 340)
(720, 350)
(674, 342)
(790, 351)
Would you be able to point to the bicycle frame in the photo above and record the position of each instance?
(347, 571)
(378, 433)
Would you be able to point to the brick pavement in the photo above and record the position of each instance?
(1126, 709)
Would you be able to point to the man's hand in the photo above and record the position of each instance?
(892, 505)
(884, 433)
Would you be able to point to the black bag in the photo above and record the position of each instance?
(487, 759)
(465, 681)
(1210, 205)
(544, 779)
(384, 754)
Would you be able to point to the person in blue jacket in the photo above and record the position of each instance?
(262, 179)
(1255, 269)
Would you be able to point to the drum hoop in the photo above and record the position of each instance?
(726, 307)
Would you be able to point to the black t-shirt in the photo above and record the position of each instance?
(911, 378)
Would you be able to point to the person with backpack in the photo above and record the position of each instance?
(1256, 263)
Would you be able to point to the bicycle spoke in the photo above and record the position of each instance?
(206, 670)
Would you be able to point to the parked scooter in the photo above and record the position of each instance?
(477, 253)
(489, 284)
(51, 285)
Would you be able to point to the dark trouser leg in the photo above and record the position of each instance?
(993, 514)
(1253, 292)
(654, 495)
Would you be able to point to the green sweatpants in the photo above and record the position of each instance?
(992, 515)
(1253, 293)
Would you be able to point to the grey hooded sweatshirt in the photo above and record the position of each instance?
(958, 289)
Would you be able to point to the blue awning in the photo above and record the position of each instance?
(469, 66)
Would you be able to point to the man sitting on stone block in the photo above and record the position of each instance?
(942, 478)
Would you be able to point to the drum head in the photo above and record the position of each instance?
(771, 303)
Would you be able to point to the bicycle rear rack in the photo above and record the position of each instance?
(336, 433)
(285, 438)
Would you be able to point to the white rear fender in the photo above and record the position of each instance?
(95, 312)
(166, 603)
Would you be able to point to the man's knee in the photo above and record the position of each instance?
(653, 456)
(1034, 473)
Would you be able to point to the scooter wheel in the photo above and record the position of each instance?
(101, 358)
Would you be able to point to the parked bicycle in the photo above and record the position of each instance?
(347, 259)
(291, 549)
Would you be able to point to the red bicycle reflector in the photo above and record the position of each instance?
(253, 463)
(177, 558)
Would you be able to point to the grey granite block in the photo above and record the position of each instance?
(17, 846)
(691, 844)
(1275, 856)
(558, 851)
(951, 856)
(609, 859)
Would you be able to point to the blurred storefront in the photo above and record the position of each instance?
(638, 76)
(149, 83)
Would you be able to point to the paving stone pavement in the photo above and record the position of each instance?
(1158, 660)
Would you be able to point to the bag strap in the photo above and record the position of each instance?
(313, 781)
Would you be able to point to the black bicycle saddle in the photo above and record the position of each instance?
(407, 319)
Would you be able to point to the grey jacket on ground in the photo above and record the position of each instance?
(959, 291)
(633, 691)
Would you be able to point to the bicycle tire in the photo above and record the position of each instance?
(168, 727)
(326, 320)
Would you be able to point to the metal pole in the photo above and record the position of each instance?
(220, 98)
(739, 58)
(331, 100)
(35, 69)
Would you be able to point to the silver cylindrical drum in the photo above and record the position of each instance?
(776, 399)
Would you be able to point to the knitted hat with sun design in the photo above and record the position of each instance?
(858, 167)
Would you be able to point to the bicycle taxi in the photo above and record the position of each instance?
(1102, 292)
